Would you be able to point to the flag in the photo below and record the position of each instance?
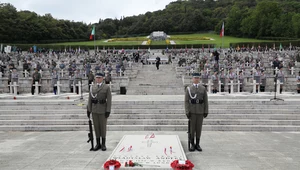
(222, 31)
(93, 33)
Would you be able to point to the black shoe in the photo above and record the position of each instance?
(98, 146)
(103, 144)
(198, 148)
(192, 148)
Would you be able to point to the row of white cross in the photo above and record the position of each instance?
(13, 87)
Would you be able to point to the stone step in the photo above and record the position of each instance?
(157, 111)
(157, 122)
(259, 128)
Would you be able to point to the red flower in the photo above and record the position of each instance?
(187, 166)
(115, 163)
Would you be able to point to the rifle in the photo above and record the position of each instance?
(90, 135)
(189, 134)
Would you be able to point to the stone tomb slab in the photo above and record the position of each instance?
(150, 150)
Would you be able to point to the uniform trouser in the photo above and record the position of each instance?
(157, 66)
(99, 122)
(196, 125)
(54, 89)
(222, 88)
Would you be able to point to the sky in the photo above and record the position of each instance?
(89, 11)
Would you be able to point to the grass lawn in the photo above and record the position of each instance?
(188, 39)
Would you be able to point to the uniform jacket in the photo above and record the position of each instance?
(101, 93)
(201, 94)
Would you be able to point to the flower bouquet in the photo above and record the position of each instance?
(132, 164)
(112, 163)
(185, 165)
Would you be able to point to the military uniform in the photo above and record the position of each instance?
(196, 108)
(222, 78)
(298, 81)
(231, 77)
(99, 104)
(263, 81)
(215, 80)
(241, 79)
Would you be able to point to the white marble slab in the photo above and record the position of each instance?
(150, 150)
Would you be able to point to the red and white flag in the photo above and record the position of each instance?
(222, 31)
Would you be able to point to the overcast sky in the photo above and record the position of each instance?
(89, 10)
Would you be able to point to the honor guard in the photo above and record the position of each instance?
(99, 104)
(196, 108)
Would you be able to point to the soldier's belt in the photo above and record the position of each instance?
(196, 101)
(98, 101)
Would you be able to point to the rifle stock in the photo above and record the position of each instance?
(90, 135)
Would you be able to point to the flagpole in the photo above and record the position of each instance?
(95, 40)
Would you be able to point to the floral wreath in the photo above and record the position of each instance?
(114, 163)
(187, 166)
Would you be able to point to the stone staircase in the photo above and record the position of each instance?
(153, 113)
(151, 81)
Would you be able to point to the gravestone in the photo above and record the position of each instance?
(151, 151)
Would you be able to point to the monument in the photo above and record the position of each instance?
(149, 151)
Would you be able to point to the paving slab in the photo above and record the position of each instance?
(221, 150)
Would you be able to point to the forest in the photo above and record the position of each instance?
(261, 19)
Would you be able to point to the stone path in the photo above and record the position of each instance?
(221, 150)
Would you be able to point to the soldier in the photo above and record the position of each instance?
(36, 77)
(91, 77)
(196, 108)
(222, 78)
(157, 61)
(263, 81)
(55, 78)
(215, 80)
(99, 104)
(281, 79)
(298, 82)
(205, 79)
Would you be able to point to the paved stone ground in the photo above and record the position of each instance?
(221, 150)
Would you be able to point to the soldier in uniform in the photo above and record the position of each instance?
(91, 77)
(263, 81)
(36, 77)
(55, 78)
(281, 79)
(298, 82)
(71, 82)
(99, 104)
(215, 80)
(196, 108)
(222, 78)
(157, 61)
(205, 79)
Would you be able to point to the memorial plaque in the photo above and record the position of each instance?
(150, 151)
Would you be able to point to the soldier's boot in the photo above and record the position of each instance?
(192, 148)
(280, 91)
(298, 91)
(103, 144)
(98, 146)
(198, 148)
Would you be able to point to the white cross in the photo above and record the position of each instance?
(239, 85)
(41, 72)
(192, 70)
(295, 63)
(209, 86)
(220, 86)
(259, 63)
(271, 63)
(36, 84)
(26, 73)
(231, 86)
(188, 72)
(106, 71)
(62, 72)
(120, 72)
(58, 87)
(110, 85)
(1, 74)
(130, 64)
(247, 64)
(276, 70)
(278, 86)
(292, 70)
(207, 70)
(254, 86)
(74, 88)
(79, 88)
(13, 87)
